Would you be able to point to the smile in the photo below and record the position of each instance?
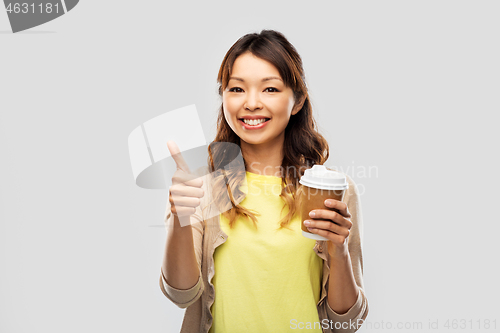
(253, 123)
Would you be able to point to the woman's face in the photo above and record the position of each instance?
(256, 93)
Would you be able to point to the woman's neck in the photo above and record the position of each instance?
(263, 159)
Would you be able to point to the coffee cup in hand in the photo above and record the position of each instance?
(319, 184)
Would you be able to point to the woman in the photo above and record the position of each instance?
(249, 269)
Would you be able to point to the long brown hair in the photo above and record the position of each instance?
(303, 146)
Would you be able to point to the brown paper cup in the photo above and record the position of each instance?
(314, 198)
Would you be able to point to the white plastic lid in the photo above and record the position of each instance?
(320, 177)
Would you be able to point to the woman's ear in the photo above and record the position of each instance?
(298, 105)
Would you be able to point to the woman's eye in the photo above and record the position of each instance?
(270, 89)
(236, 89)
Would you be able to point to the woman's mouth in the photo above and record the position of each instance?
(253, 123)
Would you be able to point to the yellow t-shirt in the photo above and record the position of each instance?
(265, 279)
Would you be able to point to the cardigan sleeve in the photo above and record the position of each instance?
(185, 297)
(352, 320)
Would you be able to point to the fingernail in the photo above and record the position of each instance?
(312, 214)
(306, 222)
(327, 202)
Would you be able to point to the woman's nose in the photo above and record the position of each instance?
(253, 101)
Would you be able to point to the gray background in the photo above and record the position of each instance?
(408, 87)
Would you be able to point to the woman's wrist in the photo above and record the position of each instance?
(338, 251)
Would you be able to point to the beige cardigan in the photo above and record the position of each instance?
(207, 235)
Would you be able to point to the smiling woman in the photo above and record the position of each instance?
(257, 104)
(249, 269)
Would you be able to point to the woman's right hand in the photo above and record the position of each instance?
(185, 192)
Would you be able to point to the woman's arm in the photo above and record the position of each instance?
(346, 305)
(342, 288)
(180, 266)
(180, 279)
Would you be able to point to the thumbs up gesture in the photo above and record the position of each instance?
(185, 192)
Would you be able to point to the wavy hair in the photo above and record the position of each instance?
(303, 146)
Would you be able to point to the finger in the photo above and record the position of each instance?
(336, 239)
(340, 206)
(185, 201)
(328, 226)
(197, 182)
(176, 155)
(183, 211)
(182, 177)
(326, 214)
(186, 191)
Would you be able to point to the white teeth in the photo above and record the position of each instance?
(253, 121)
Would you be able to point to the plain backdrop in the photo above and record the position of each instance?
(406, 93)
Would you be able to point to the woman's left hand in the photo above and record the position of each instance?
(334, 225)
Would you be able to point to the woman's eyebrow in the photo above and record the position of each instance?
(263, 80)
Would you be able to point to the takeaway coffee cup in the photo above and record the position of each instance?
(319, 184)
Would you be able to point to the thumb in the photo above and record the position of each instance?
(176, 154)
